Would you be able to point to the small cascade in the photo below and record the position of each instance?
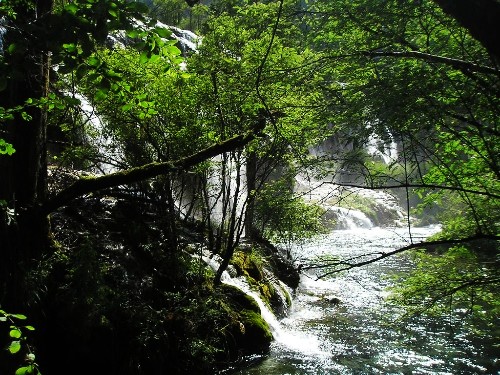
(188, 40)
(341, 202)
(284, 336)
(386, 151)
(350, 219)
(2, 32)
(241, 283)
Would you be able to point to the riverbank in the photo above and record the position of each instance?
(115, 294)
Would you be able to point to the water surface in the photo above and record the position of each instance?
(361, 335)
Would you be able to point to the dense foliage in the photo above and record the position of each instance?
(409, 72)
(210, 140)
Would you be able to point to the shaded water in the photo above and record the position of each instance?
(361, 335)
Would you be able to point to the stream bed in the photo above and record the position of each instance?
(360, 335)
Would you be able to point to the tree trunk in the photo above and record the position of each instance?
(480, 17)
(251, 175)
(24, 174)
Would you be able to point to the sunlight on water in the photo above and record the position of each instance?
(358, 335)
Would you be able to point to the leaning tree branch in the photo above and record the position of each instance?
(350, 263)
(461, 65)
(86, 185)
(418, 186)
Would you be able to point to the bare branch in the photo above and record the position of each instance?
(419, 186)
(461, 65)
(350, 263)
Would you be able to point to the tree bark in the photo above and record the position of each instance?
(480, 17)
(24, 174)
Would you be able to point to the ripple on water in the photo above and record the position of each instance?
(359, 335)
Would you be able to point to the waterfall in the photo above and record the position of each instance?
(95, 130)
(342, 204)
(2, 32)
(284, 336)
(188, 40)
(350, 219)
(387, 151)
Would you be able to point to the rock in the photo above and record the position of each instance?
(231, 270)
(249, 332)
(334, 300)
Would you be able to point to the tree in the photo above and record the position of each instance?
(410, 73)
(479, 17)
(39, 35)
(258, 74)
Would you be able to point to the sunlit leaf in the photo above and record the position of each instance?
(15, 333)
(162, 32)
(15, 346)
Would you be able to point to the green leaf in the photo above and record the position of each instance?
(14, 347)
(29, 328)
(127, 107)
(26, 116)
(70, 47)
(93, 61)
(71, 8)
(162, 32)
(6, 148)
(137, 7)
(172, 51)
(132, 33)
(15, 333)
(144, 58)
(100, 94)
(19, 316)
(71, 101)
(25, 370)
(12, 48)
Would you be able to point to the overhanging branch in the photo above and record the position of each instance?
(340, 265)
(419, 186)
(88, 185)
(455, 63)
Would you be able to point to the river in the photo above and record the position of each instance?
(361, 335)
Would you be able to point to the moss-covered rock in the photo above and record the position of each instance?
(278, 264)
(248, 332)
(250, 263)
(256, 333)
(238, 299)
(247, 263)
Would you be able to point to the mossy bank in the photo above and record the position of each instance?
(114, 298)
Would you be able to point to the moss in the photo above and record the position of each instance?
(248, 332)
(257, 334)
(267, 290)
(358, 202)
(288, 297)
(238, 299)
(248, 263)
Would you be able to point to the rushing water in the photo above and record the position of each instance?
(360, 335)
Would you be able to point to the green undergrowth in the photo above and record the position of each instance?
(116, 294)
